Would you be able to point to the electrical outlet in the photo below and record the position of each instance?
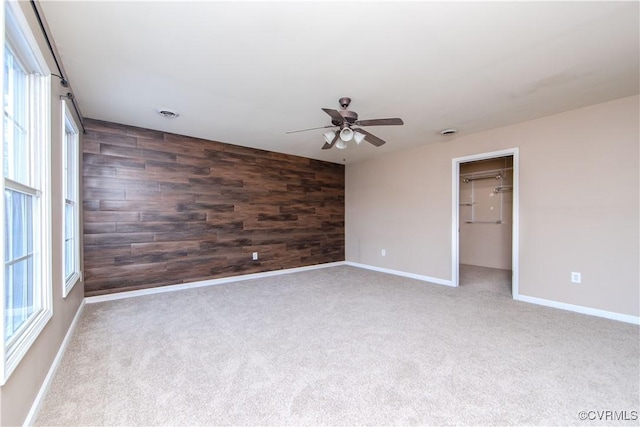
(383, 252)
(576, 277)
(255, 256)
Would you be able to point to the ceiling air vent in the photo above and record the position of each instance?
(168, 113)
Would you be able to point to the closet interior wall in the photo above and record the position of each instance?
(486, 211)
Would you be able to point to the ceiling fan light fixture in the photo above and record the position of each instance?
(346, 134)
(341, 145)
(358, 137)
(328, 136)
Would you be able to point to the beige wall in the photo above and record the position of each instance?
(579, 205)
(19, 392)
(486, 244)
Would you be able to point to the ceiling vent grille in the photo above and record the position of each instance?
(168, 113)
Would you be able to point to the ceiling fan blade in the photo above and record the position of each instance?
(335, 115)
(379, 122)
(327, 146)
(304, 130)
(371, 138)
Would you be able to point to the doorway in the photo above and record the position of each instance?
(485, 220)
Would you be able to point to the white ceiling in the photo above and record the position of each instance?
(247, 72)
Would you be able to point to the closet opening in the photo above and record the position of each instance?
(485, 222)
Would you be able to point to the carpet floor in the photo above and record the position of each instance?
(344, 346)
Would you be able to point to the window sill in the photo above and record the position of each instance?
(70, 283)
(23, 343)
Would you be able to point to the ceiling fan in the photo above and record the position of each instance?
(345, 119)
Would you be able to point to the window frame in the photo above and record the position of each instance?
(24, 47)
(70, 130)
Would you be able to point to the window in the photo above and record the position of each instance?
(25, 210)
(71, 250)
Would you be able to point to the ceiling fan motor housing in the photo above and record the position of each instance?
(348, 116)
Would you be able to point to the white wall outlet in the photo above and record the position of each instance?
(383, 252)
(255, 256)
(576, 277)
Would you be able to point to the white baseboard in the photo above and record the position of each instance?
(580, 309)
(212, 282)
(401, 273)
(35, 407)
(533, 300)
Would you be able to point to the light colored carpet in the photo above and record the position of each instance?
(340, 346)
(486, 279)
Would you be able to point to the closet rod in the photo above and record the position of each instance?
(476, 178)
(503, 189)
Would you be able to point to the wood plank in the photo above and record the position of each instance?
(119, 129)
(126, 184)
(136, 194)
(210, 207)
(221, 247)
(172, 144)
(217, 180)
(91, 205)
(146, 226)
(117, 238)
(140, 270)
(96, 170)
(110, 285)
(101, 159)
(194, 160)
(183, 236)
(110, 138)
(162, 247)
(105, 251)
(150, 258)
(126, 205)
(105, 127)
(129, 152)
(154, 165)
(99, 227)
(189, 188)
(173, 217)
(91, 147)
(298, 209)
(103, 194)
(155, 175)
(110, 216)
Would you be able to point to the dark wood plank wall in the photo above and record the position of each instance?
(162, 209)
